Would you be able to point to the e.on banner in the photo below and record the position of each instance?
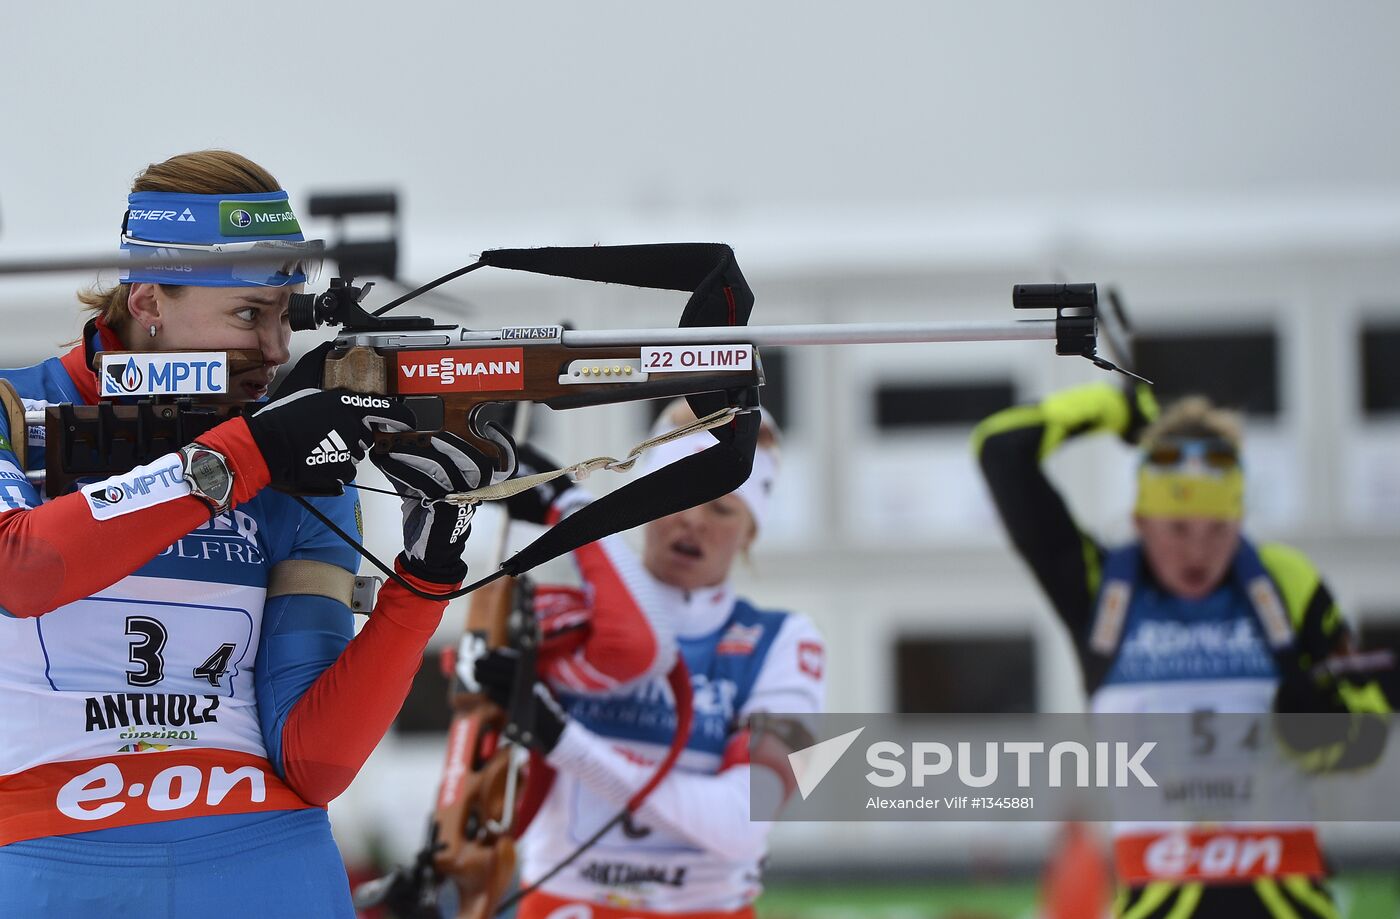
(1236, 853)
(461, 370)
(126, 789)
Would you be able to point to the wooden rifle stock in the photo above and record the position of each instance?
(110, 438)
(475, 791)
(547, 372)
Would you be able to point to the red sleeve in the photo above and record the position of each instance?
(337, 723)
(58, 553)
(621, 644)
(235, 441)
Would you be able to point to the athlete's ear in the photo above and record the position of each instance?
(142, 304)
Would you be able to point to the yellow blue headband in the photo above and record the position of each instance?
(166, 224)
(1191, 478)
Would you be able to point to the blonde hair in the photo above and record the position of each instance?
(1195, 416)
(203, 172)
(678, 412)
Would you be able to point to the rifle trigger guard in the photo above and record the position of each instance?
(519, 756)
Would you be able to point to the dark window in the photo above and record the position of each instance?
(959, 675)
(901, 406)
(425, 710)
(773, 395)
(1380, 369)
(1234, 369)
(1380, 634)
(1383, 635)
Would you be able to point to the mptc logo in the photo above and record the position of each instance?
(109, 494)
(140, 485)
(240, 218)
(171, 373)
(129, 379)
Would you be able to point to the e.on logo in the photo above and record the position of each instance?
(171, 789)
(1217, 855)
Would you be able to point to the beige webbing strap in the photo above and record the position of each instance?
(307, 576)
(1111, 615)
(14, 411)
(580, 471)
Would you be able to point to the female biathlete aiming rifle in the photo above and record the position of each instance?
(180, 689)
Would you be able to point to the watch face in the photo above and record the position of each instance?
(209, 473)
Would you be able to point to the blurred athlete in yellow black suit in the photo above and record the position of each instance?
(1146, 617)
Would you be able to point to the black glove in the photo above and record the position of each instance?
(435, 531)
(1315, 726)
(495, 673)
(533, 506)
(1142, 410)
(1300, 692)
(312, 439)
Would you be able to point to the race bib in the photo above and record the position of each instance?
(99, 644)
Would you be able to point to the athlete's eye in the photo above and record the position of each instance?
(247, 314)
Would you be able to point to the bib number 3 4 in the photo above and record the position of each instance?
(148, 637)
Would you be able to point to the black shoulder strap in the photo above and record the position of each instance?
(719, 296)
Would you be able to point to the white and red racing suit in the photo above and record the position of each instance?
(154, 689)
(692, 847)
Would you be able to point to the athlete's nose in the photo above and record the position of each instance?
(274, 340)
(692, 520)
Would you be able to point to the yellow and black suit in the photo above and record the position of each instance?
(1072, 569)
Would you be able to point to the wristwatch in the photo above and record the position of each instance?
(207, 473)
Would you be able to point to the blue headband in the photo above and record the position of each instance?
(215, 222)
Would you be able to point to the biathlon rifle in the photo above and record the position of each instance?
(153, 404)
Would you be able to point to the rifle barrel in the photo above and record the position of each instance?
(829, 333)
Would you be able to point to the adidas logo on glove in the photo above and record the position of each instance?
(464, 521)
(331, 449)
(365, 401)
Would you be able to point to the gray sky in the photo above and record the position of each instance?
(538, 113)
